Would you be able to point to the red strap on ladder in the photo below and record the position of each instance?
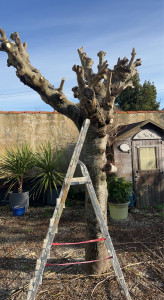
(79, 262)
(84, 242)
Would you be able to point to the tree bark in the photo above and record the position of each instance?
(95, 159)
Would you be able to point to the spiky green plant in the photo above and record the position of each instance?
(15, 166)
(45, 174)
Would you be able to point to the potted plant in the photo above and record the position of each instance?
(119, 190)
(46, 178)
(15, 166)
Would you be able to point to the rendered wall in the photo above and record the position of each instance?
(38, 127)
(134, 117)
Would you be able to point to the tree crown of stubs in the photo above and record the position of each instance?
(96, 91)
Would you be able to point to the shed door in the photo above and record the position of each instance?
(148, 176)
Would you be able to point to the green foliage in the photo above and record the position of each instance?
(160, 207)
(15, 166)
(118, 189)
(45, 176)
(141, 97)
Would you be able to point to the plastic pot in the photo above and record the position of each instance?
(19, 199)
(118, 211)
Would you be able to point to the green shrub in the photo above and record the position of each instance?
(119, 189)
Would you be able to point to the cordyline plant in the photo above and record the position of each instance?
(15, 166)
(96, 93)
(45, 175)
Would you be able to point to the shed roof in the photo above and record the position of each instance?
(131, 129)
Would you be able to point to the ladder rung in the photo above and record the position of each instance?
(79, 180)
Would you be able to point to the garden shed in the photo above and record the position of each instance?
(139, 157)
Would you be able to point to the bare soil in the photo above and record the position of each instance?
(137, 241)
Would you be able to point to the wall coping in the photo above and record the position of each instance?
(55, 112)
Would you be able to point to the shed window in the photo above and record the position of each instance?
(148, 158)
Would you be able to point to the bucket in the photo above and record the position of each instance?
(18, 210)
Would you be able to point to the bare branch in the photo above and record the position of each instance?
(133, 54)
(3, 37)
(100, 75)
(80, 76)
(108, 87)
(21, 47)
(138, 62)
(87, 64)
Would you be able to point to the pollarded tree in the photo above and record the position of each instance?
(96, 94)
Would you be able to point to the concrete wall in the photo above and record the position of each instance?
(38, 127)
(134, 117)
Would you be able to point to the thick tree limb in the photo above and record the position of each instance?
(30, 76)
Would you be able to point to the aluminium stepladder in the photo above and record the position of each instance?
(54, 221)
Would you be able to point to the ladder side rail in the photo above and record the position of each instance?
(39, 273)
(45, 252)
(58, 210)
(104, 231)
(77, 149)
(74, 162)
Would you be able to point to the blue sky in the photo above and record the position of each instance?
(54, 30)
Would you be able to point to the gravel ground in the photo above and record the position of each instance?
(138, 242)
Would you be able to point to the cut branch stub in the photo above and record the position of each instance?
(80, 76)
(22, 47)
(101, 55)
(138, 62)
(62, 84)
(3, 35)
(133, 54)
(75, 91)
(87, 64)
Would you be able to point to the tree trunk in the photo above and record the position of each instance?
(95, 159)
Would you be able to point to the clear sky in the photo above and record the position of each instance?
(54, 30)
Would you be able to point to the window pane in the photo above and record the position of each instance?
(147, 158)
